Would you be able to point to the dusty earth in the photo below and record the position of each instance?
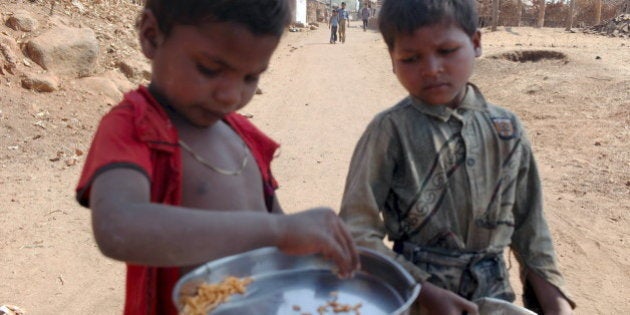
(317, 99)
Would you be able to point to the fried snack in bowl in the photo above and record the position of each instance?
(287, 285)
(209, 296)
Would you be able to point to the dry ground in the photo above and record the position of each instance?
(316, 100)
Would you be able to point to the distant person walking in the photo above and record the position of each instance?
(333, 24)
(365, 15)
(344, 19)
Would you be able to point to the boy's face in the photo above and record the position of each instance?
(435, 62)
(205, 72)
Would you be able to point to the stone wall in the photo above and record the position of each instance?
(317, 11)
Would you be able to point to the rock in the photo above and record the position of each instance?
(120, 81)
(40, 82)
(22, 21)
(8, 58)
(100, 86)
(617, 27)
(135, 69)
(65, 51)
(11, 309)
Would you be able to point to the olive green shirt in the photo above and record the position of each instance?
(463, 180)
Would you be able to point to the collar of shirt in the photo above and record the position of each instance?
(473, 101)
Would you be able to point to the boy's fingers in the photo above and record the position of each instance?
(349, 246)
(338, 257)
(334, 242)
(346, 265)
(348, 254)
(469, 307)
(339, 248)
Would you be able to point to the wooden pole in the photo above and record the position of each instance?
(570, 15)
(519, 12)
(495, 14)
(598, 11)
(540, 22)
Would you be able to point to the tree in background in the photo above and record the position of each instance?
(495, 14)
(598, 11)
(484, 11)
(540, 20)
(570, 15)
(519, 12)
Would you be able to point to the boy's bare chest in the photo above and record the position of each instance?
(219, 172)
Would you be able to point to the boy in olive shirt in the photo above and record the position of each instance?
(447, 176)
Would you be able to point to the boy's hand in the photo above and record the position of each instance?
(318, 231)
(438, 301)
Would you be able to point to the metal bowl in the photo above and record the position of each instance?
(293, 285)
(492, 306)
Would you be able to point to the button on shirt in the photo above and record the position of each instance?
(462, 180)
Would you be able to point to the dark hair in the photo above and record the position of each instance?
(261, 17)
(405, 16)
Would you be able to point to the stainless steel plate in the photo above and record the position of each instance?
(492, 306)
(282, 283)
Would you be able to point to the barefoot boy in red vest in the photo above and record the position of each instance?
(175, 177)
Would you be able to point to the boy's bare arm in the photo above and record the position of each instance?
(440, 301)
(276, 208)
(550, 298)
(130, 228)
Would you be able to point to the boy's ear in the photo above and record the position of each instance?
(476, 40)
(150, 34)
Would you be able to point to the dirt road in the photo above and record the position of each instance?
(316, 100)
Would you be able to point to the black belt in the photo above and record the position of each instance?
(474, 266)
(444, 257)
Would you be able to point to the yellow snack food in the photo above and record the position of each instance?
(209, 296)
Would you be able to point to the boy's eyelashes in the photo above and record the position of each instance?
(411, 59)
(446, 51)
(252, 78)
(207, 71)
(211, 73)
(415, 58)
